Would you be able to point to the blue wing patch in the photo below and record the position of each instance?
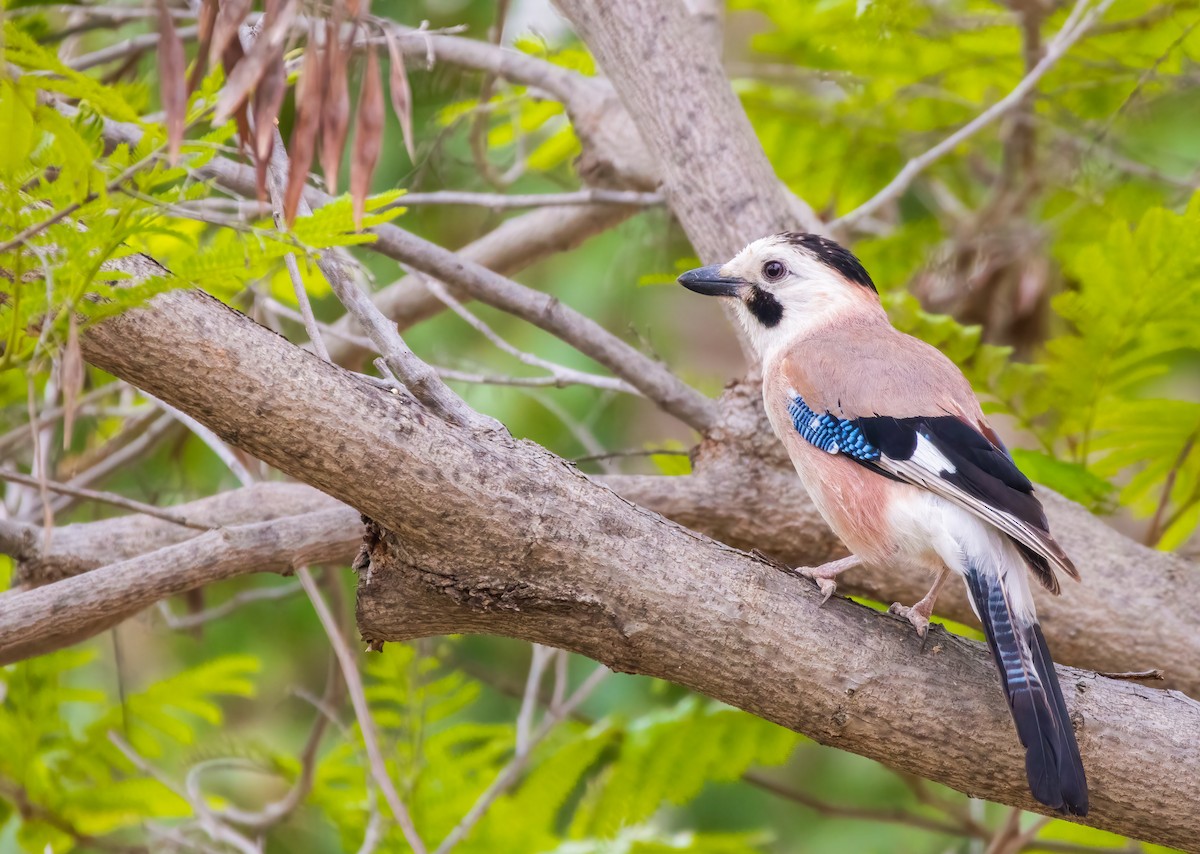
(830, 434)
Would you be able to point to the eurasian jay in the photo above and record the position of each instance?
(891, 443)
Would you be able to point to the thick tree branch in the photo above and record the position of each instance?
(84, 546)
(688, 129)
(496, 535)
(744, 493)
(714, 172)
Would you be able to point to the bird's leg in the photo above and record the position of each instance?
(920, 613)
(825, 574)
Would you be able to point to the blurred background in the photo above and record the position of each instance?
(1053, 256)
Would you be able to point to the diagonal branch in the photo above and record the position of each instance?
(494, 535)
(714, 172)
(1078, 22)
(651, 378)
(742, 498)
(513, 245)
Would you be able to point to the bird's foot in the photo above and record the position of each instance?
(915, 615)
(824, 583)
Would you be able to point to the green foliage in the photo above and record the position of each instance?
(841, 93)
(1127, 329)
(667, 757)
(1130, 332)
(587, 787)
(869, 85)
(56, 174)
(533, 129)
(60, 763)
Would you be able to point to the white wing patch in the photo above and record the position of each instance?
(928, 457)
(925, 468)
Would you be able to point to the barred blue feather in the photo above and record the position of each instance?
(830, 434)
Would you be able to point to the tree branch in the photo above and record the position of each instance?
(102, 497)
(714, 172)
(513, 245)
(499, 201)
(490, 534)
(84, 546)
(641, 43)
(747, 495)
(651, 378)
(1076, 25)
(74, 609)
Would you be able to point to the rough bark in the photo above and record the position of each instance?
(744, 493)
(83, 606)
(491, 534)
(673, 607)
(712, 168)
(690, 126)
(84, 546)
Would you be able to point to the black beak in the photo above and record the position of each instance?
(710, 282)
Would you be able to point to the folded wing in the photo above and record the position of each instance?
(947, 456)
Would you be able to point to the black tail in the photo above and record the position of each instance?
(1052, 762)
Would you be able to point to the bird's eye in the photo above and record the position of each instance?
(774, 271)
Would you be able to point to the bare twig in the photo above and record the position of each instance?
(216, 829)
(373, 835)
(419, 378)
(498, 201)
(884, 816)
(561, 375)
(233, 603)
(651, 378)
(555, 380)
(16, 437)
(1154, 674)
(1155, 530)
(103, 497)
(56, 615)
(119, 454)
(276, 811)
(123, 50)
(362, 711)
(514, 244)
(509, 774)
(1077, 23)
(633, 452)
(538, 658)
(277, 172)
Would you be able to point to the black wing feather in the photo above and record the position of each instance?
(982, 470)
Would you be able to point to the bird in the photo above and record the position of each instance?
(890, 441)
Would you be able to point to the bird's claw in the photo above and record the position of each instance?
(919, 621)
(826, 585)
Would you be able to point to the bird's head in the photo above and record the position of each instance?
(787, 283)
